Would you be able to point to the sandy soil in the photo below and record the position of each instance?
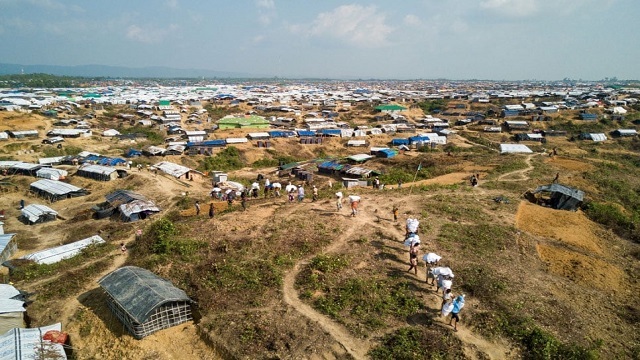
(571, 228)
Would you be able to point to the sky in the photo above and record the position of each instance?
(381, 39)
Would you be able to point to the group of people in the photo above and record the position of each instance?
(441, 277)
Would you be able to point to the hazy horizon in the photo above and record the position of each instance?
(490, 39)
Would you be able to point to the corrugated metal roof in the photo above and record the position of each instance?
(33, 212)
(59, 253)
(514, 148)
(20, 343)
(54, 187)
(139, 291)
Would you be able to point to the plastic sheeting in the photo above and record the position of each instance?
(59, 253)
(412, 225)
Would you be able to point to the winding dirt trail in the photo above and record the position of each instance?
(475, 346)
(518, 175)
(356, 347)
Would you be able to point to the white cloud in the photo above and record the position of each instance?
(267, 9)
(173, 4)
(412, 20)
(149, 35)
(358, 25)
(511, 8)
(266, 4)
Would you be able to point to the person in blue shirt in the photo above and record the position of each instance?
(458, 304)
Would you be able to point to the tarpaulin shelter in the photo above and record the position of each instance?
(51, 173)
(144, 302)
(56, 190)
(561, 197)
(59, 253)
(31, 343)
(36, 214)
(99, 172)
(8, 247)
(11, 315)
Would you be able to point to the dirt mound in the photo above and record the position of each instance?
(571, 228)
(582, 269)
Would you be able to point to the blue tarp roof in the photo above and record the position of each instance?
(282, 133)
(400, 142)
(418, 139)
(331, 165)
(220, 142)
(111, 161)
(133, 152)
(388, 152)
(330, 131)
(306, 133)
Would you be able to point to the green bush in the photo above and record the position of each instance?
(225, 160)
(411, 343)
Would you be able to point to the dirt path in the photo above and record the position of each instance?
(518, 175)
(356, 347)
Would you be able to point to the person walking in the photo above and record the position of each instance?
(123, 248)
(555, 179)
(446, 297)
(458, 304)
(211, 211)
(243, 201)
(300, 193)
(315, 193)
(339, 200)
(395, 213)
(354, 208)
(413, 257)
(197, 208)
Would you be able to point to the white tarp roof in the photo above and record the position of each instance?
(236, 140)
(20, 343)
(98, 169)
(627, 131)
(111, 132)
(4, 135)
(51, 173)
(5, 164)
(59, 253)
(360, 157)
(8, 291)
(534, 136)
(25, 166)
(195, 133)
(11, 305)
(5, 239)
(50, 160)
(34, 211)
(54, 187)
(171, 168)
(514, 148)
(598, 137)
(259, 135)
(357, 142)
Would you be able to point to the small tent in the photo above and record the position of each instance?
(561, 197)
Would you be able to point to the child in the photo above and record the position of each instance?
(123, 248)
(395, 213)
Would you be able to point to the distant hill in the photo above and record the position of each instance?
(120, 71)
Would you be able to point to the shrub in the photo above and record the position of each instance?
(225, 160)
